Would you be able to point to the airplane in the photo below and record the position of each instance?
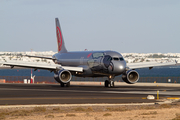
(87, 64)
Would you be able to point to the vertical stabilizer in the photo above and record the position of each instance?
(60, 40)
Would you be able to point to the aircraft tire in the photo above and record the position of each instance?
(106, 83)
(62, 84)
(68, 84)
(111, 83)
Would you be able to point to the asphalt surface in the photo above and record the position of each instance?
(25, 94)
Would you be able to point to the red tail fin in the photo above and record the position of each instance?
(60, 40)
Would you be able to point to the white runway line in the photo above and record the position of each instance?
(116, 92)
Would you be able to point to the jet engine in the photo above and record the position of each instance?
(130, 76)
(63, 76)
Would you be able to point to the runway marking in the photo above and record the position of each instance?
(154, 92)
(55, 98)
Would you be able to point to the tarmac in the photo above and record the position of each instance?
(125, 84)
(82, 93)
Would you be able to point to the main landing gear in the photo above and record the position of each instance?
(110, 82)
(65, 84)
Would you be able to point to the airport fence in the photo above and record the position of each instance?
(45, 79)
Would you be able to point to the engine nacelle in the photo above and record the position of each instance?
(130, 77)
(63, 76)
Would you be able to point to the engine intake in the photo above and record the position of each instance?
(63, 76)
(130, 77)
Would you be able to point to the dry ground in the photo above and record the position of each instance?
(152, 112)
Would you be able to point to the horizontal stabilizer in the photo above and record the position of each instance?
(40, 57)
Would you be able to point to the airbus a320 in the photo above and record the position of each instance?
(87, 64)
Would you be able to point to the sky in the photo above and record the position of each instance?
(125, 26)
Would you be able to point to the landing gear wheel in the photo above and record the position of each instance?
(62, 84)
(106, 83)
(111, 83)
(68, 84)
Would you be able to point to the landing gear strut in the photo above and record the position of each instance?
(110, 82)
(63, 84)
(68, 84)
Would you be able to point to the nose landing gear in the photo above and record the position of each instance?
(110, 82)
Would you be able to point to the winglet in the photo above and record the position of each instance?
(60, 40)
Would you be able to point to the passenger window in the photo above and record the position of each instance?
(97, 55)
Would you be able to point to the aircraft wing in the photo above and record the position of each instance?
(149, 65)
(45, 66)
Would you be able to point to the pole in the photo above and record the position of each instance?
(158, 95)
(31, 70)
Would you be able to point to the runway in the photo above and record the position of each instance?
(24, 94)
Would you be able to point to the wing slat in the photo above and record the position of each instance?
(149, 65)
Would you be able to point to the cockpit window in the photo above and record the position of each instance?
(115, 58)
(108, 58)
(121, 59)
(97, 55)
